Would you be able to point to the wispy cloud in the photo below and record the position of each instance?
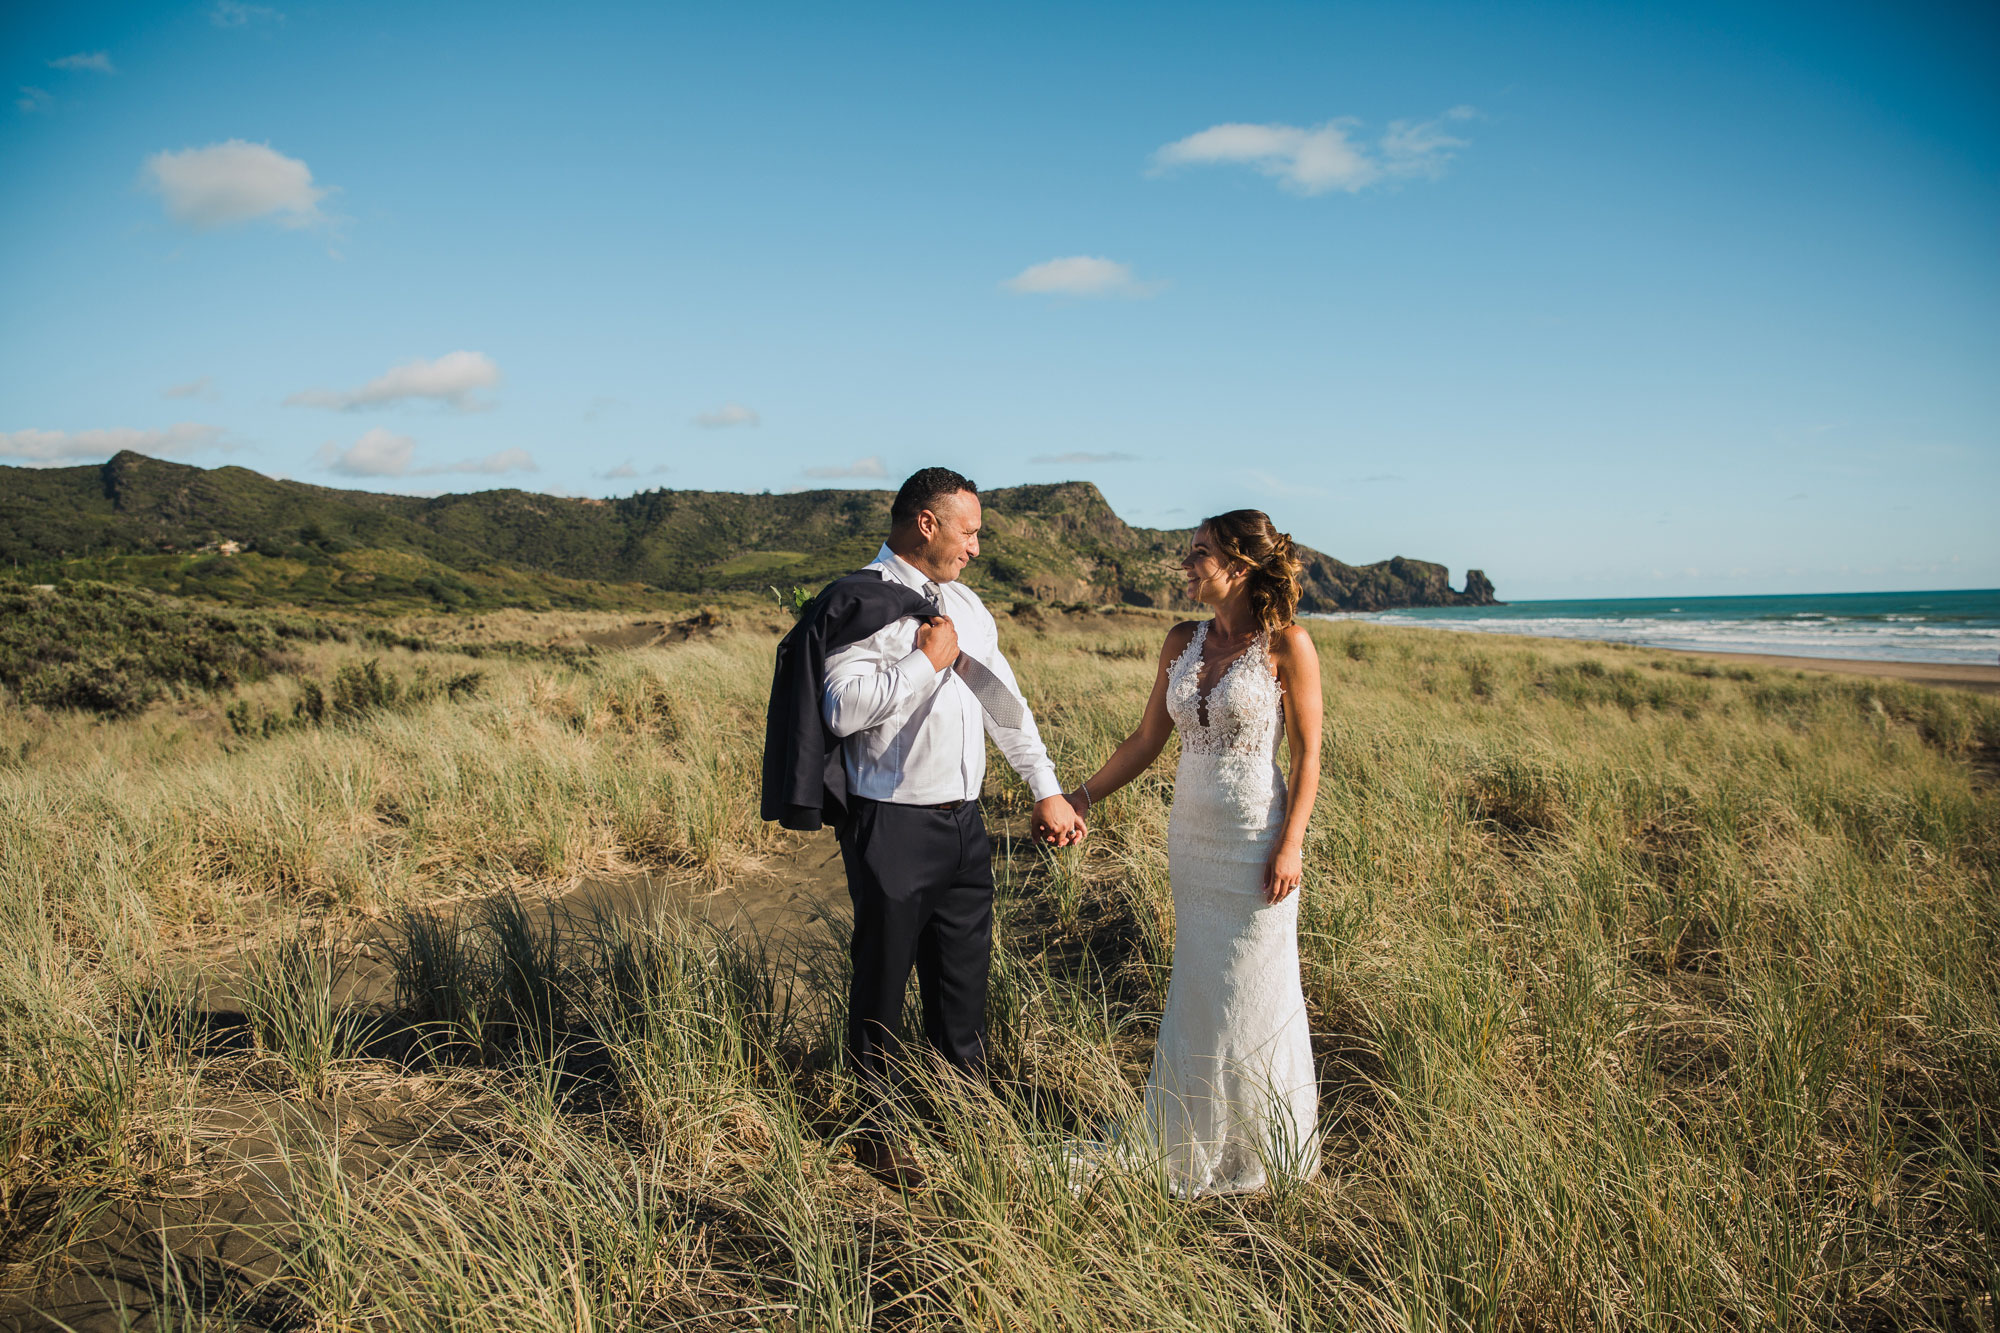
(1318, 159)
(1071, 459)
(628, 470)
(870, 466)
(49, 448)
(1079, 275)
(235, 14)
(232, 182)
(505, 460)
(452, 380)
(378, 453)
(97, 62)
(35, 101)
(1272, 484)
(201, 388)
(729, 414)
(382, 453)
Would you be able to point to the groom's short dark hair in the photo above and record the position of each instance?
(926, 489)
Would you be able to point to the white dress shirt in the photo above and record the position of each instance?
(913, 734)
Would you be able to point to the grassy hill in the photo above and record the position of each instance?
(165, 526)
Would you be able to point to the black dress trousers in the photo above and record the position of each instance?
(922, 883)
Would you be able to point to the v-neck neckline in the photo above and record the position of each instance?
(1202, 696)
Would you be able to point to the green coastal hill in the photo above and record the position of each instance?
(236, 535)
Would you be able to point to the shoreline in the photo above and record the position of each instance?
(1942, 675)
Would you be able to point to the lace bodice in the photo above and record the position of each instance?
(1243, 710)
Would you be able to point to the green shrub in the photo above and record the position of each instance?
(114, 650)
(358, 690)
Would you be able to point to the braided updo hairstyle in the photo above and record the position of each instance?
(1248, 535)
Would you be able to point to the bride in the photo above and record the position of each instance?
(1232, 1097)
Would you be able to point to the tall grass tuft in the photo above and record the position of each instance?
(443, 980)
(291, 994)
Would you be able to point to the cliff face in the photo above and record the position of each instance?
(1058, 542)
(1397, 581)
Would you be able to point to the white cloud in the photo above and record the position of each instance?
(235, 14)
(201, 388)
(729, 414)
(48, 448)
(33, 100)
(450, 379)
(1309, 161)
(870, 466)
(1065, 460)
(227, 183)
(1079, 275)
(383, 453)
(97, 62)
(1324, 157)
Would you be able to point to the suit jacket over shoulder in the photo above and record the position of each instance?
(805, 778)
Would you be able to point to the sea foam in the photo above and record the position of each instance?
(1958, 626)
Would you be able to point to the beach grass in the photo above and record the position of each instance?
(1646, 994)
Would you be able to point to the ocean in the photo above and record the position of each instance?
(1959, 626)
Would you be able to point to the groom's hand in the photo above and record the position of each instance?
(937, 639)
(1057, 823)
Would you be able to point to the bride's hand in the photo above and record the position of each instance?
(1282, 876)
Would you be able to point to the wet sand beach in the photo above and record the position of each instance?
(1950, 675)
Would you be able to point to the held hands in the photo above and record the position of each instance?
(937, 639)
(1057, 822)
(1282, 875)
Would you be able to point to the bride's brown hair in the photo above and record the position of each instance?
(1248, 535)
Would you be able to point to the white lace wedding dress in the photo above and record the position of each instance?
(1233, 1096)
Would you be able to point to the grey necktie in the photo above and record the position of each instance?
(1000, 703)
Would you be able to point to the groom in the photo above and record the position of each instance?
(884, 694)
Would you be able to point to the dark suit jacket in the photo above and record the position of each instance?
(805, 778)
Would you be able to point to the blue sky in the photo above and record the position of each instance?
(1608, 300)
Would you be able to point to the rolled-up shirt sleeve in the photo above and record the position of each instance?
(863, 691)
(1022, 746)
